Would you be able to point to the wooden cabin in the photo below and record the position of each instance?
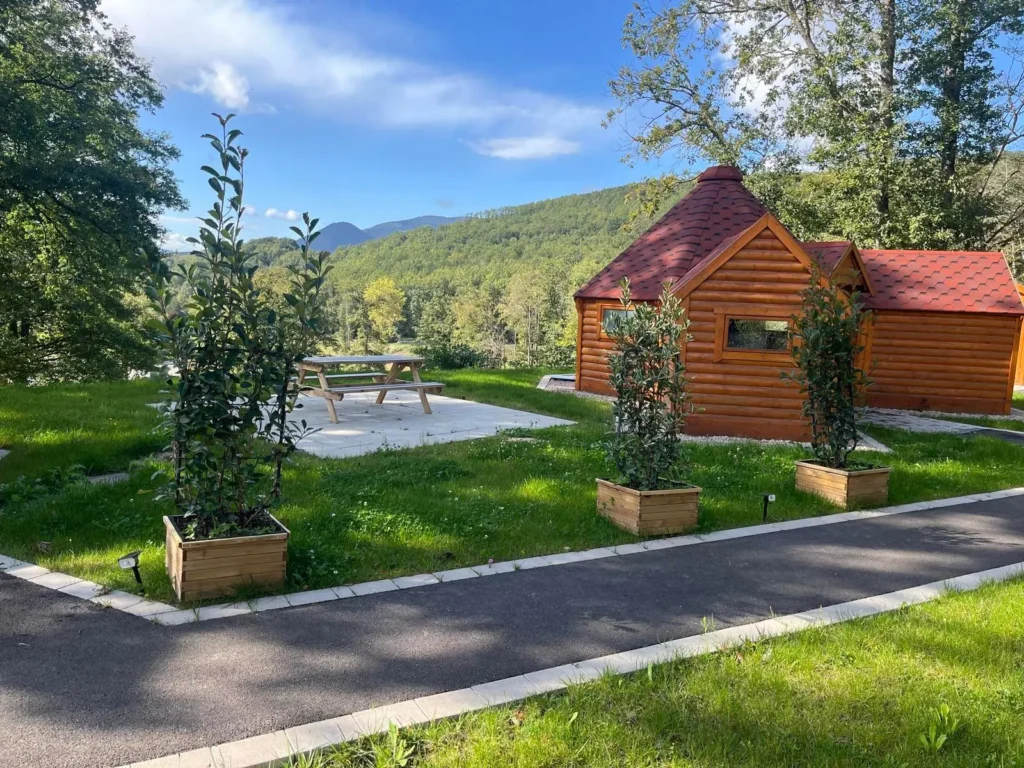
(1018, 378)
(942, 333)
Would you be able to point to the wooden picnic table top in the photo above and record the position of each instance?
(361, 359)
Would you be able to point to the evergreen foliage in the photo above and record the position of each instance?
(825, 350)
(234, 353)
(649, 378)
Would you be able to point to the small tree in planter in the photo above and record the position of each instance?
(235, 357)
(825, 350)
(649, 378)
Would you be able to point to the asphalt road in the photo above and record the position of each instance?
(83, 686)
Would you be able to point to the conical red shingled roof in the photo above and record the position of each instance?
(717, 209)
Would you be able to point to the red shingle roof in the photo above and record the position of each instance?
(941, 281)
(717, 209)
(827, 254)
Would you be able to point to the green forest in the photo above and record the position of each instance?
(495, 289)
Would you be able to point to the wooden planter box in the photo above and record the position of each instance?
(215, 567)
(844, 487)
(647, 513)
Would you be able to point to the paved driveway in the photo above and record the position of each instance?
(83, 686)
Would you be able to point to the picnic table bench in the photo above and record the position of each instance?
(381, 381)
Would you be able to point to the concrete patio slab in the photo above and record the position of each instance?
(399, 422)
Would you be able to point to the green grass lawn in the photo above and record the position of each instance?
(851, 695)
(436, 507)
(99, 426)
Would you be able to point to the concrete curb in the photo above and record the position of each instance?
(278, 748)
(170, 615)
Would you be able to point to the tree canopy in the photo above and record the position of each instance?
(80, 188)
(904, 107)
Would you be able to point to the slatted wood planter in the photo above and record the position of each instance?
(844, 487)
(215, 567)
(647, 513)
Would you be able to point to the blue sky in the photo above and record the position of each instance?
(373, 111)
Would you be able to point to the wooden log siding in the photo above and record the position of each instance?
(742, 393)
(592, 370)
(744, 397)
(943, 361)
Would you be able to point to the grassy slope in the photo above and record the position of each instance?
(444, 506)
(851, 695)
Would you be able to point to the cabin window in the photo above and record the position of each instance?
(760, 335)
(611, 317)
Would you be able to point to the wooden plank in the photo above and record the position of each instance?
(193, 576)
(1013, 366)
(227, 586)
(939, 404)
(239, 550)
(361, 359)
(889, 318)
(758, 400)
(263, 558)
(349, 389)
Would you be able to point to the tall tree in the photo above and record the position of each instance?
(903, 106)
(80, 187)
(383, 301)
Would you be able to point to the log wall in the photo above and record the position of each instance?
(592, 347)
(742, 393)
(943, 361)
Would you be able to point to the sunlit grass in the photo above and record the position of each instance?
(846, 696)
(99, 426)
(450, 505)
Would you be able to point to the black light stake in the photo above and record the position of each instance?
(131, 561)
(768, 499)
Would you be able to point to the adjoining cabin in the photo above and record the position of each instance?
(942, 333)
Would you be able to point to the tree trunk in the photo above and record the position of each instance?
(887, 109)
(952, 92)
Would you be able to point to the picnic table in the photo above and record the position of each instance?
(383, 380)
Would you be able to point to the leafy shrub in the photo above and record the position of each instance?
(825, 349)
(235, 355)
(436, 337)
(651, 403)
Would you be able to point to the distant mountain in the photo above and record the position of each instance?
(340, 233)
(390, 227)
(343, 233)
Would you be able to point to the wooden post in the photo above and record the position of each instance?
(415, 368)
(326, 388)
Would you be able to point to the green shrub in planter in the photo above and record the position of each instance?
(649, 379)
(235, 356)
(825, 350)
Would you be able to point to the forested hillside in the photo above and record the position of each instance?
(500, 278)
(495, 245)
(495, 288)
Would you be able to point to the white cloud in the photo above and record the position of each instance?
(225, 84)
(525, 147)
(242, 53)
(174, 242)
(289, 215)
